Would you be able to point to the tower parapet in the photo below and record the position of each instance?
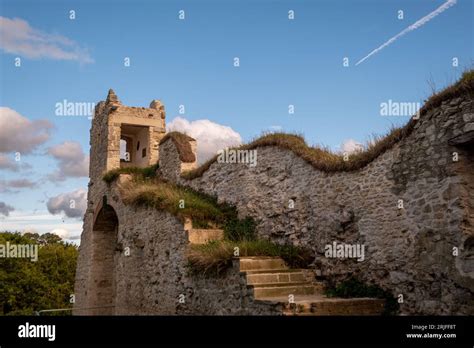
(124, 136)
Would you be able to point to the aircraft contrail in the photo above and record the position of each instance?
(412, 27)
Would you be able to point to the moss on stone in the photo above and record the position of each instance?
(146, 172)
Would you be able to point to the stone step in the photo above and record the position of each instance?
(203, 236)
(264, 291)
(335, 306)
(276, 277)
(261, 263)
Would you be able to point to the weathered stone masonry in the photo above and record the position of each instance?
(409, 251)
(132, 260)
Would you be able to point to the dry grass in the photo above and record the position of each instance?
(464, 86)
(149, 189)
(181, 142)
(146, 172)
(320, 158)
(327, 161)
(214, 257)
(162, 195)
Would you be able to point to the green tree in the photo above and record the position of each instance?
(27, 286)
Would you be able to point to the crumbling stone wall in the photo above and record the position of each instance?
(226, 294)
(170, 164)
(132, 260)
(409, 249)
(412, 208)
(150, 269)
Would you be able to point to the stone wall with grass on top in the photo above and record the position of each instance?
(151, 273)
(409, 207)
(409, 201)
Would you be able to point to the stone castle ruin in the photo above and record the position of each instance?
(411, 208)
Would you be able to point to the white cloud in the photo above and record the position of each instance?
(350, 146)
(61, 232)
(19, 134)
(422, 21)
(18, 37)
(73, 204)
(210, 136)
(65, 234)
(72, 162)
(41, 222)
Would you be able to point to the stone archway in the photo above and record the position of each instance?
(103, 282)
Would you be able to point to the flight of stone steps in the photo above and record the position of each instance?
(271, 280)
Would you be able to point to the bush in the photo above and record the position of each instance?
(296, 257)
(238, 230)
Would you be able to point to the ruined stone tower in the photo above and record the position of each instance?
(139, 130)
(121, 136)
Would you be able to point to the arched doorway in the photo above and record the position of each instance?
(103, 287)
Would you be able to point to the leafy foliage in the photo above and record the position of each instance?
(27, 286)
(237, 230)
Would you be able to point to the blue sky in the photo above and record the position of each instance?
(190, 62)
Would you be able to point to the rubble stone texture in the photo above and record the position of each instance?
(409, 251)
